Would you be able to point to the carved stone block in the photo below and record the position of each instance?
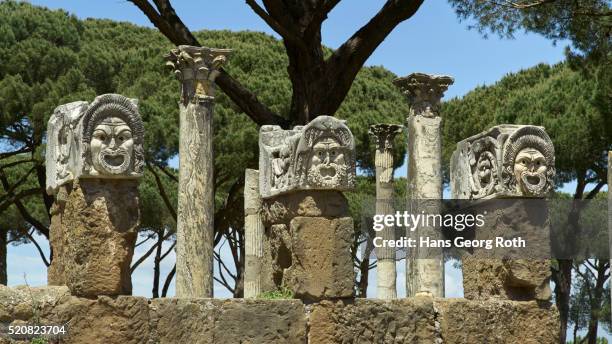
(103, 139)
(93, 234)
(94, 157)
(321, 263)
(505, 161)
(318, 156)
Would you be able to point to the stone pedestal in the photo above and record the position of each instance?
(196, 68)
(487, 275)
(308, 245)
(424, 271)
(506, 172)
(308, 238)
(93, 234)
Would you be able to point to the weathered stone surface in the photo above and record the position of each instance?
(276, 258)
(321, 262)
(316, 203)
(196, 68)
(510, 162)
(259, 321)
(102, 321)
(227, 321)
(506, 160)
(496, 322)
(512, 278)
(424, 92)
(384, 135)
(518, 279)
(22, 302)
(182, 321)
(253, 235)
(95, 234)
(103, 139)
(127, 319)
(372, 321)
(318, 156)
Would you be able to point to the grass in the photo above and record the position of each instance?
(282, 293)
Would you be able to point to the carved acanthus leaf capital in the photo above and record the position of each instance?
(385, 134)
(424, 92)
(196, 68)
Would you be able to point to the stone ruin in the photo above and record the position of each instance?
(94, 157)
(308, 229)
(505, 161)
(318, 156)
(298, 236)
(511, 164)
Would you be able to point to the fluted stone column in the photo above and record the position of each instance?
(424, 270)
(196, 68)
(253, 234)
(385, 266)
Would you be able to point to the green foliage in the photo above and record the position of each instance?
(39, 340)
(282, 294)
(586, 23)
(555, 97)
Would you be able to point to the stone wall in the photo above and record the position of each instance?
(128, 319)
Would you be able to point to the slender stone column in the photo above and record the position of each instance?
(196, 68)
(253, 234)
(386, 274)
(424, 270)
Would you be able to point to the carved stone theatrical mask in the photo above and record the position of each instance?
(511, 160)
(112, 146)
(529, 162)
(320, 156)
(112, 138)
(103, 139)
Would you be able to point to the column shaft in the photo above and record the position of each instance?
(386, 272)
(195, 226)
(253, 235)
(196, 68)
(424, 266)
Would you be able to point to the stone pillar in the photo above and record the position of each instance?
(385, 267)
(253, 234)
(506, 172)
(196, 68)
(424, 270)
(309, 233)
(94, 159)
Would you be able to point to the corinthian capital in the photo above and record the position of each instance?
(424, 92)
(196, 68)
(384, 134)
